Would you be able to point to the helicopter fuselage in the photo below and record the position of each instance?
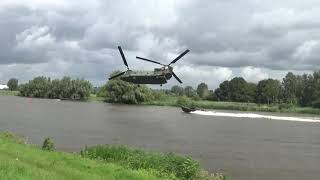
(158, 76)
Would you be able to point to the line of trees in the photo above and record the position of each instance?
(65, 88)
(303, 90)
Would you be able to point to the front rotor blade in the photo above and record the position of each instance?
(123, 57)
(117, 75)
(176, 77)
(180, 56)
(149, 60)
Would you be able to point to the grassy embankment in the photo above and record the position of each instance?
(172, 101)
(22, 161)
(94, 97)
(8, 93)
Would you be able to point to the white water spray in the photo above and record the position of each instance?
(252, 115)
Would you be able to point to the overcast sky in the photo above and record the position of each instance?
(254, 39)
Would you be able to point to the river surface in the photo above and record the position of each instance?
(243, 148)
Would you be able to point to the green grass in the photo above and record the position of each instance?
(21, 161)
(8, 93)
(93, 97)
(169, 165)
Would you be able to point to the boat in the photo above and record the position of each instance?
(188, 109)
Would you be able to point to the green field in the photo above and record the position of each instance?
(8, 93)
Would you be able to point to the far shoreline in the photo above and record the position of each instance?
(203, 104)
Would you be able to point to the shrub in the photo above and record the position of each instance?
(48, 144)
(181, 167)
(316, 103)
(12, 137)
(183, 101)
(117, 91)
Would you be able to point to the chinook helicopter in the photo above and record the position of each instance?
(157, 76)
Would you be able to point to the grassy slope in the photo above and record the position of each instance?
(8, 93)
(93, 97)
(19, 161)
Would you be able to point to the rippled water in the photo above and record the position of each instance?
(244, 148)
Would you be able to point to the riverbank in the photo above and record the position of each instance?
(8, 93)
(19, 160)
(204, 104)
(253, 107)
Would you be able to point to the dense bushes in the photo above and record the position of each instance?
(181, 167)
(117, 91)
(66, 88)
(183, 101)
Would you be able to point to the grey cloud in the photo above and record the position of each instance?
(83, 36)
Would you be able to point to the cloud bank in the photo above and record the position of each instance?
(251, 38)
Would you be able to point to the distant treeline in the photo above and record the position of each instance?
(65, 88)
(303, 90)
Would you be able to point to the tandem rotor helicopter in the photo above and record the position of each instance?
(157, 76)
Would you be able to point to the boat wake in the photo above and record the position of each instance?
(252, 115)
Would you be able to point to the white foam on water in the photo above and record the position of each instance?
(252, 115)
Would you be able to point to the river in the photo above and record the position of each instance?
(243, 148)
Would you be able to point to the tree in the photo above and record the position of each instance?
(190, 92)
(212, 96)
(251, 92)
(223, 93)
(290, 86)
(268, 91)
(202, 90)
(13, 84)
(310, 89)
(177, 90)
(239, 90)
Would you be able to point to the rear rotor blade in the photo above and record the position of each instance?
(117, 75)
(123, 57)
(180, 56)
(176, 77)
(149, 60)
